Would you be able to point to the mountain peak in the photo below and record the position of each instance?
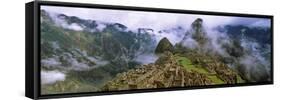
(197, 25)
(164, 45)
(198, 32)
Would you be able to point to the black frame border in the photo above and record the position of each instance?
(37, 47)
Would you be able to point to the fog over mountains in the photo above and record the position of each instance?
(157, 21)
(89, 47)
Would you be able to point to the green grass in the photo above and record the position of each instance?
(187, 64)
(215, 79)
(239, 79)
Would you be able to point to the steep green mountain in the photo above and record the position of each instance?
(260, 34)
(240, 47)
(164, 45)
(72, 50)
(198, 32)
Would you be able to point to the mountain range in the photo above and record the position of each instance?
(79, 55)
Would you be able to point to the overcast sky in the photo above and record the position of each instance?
(154, 20)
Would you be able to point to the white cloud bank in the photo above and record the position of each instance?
(51, 77)
(146, 58)
(155, 20)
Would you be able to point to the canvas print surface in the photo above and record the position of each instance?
(94, 50)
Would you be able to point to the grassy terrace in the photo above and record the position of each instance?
(187, 64)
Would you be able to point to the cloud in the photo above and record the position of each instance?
(253, 22)
(98, 60)
(75, 64)
(51, 62)
(261, 23)
(51, 77)
(155, 20)
(55, 45)
(101, 26)
(146, 58)
(74, 26)
(190, 42)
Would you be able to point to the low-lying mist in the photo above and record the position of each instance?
(50, 77)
